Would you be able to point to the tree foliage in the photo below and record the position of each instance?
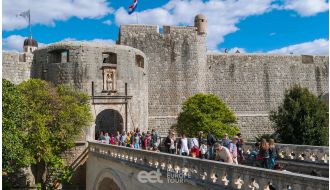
(302, 118)
(53, 119)
(206, 112)
(15, 153)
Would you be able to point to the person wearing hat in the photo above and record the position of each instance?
(233, 149)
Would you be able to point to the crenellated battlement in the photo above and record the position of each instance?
(139, 28)
(16, 67)
(127, 30)
(266, 57)
(178, 29)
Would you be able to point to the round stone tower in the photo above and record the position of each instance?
(200, 23)
(30, 45)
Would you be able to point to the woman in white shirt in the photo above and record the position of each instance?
(184, 146)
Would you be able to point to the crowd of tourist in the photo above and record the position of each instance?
(265, 153)
(134, 139)
(229, 150)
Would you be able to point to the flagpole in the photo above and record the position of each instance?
(30, 24)
(136, 13)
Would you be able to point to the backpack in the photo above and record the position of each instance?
(195, 149)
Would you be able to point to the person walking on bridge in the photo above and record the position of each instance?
(128, 139)
(123, 139)
(112, 139)
(194, 148)
(136, 141)
(101, 137)
(107, 138)
(225, 140)
(184, 150)
(146, 140)
(117, 138)
(264, 153)
(239, 144)
(154, 139)
(170, 143)
(233, 149)
(222, 154)
(272, 154)
(210, 142)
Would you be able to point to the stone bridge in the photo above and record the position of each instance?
(116, 167)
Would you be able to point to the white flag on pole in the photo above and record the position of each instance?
(25, 14)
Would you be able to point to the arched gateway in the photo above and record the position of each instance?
(109, 121)
(108, 184)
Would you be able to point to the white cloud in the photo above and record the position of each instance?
(15, 42)
(47, 12)
(104, 41)
(316, 47)
(107, 22)
(222, 16)
(272, 34)
(306, 7)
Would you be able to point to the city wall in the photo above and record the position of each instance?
(85, 64)
(16, 67)
(251, 84)
(254, 84)
(177, 65)
(176, 57)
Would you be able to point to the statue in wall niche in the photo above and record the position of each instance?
(109, 80)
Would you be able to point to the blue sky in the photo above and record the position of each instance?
(276, 26)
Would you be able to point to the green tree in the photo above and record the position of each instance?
(206, 112)
(302, 118)
(53, 119)
(15, 154)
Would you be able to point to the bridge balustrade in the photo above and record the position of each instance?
(291, 152)
(306, 153)
(208, 173)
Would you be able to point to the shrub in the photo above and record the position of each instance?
(301, 118)
(206, 112)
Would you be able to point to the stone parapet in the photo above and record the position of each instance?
(207, 173)
(16, 67)
(305, 153)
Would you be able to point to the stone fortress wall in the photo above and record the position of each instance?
(251, 84)
(79, 63)
(16, 67)
(176, 66)
(176, 57)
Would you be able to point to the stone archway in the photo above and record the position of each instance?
(110, 121)
(108, 184)
(108, 179)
